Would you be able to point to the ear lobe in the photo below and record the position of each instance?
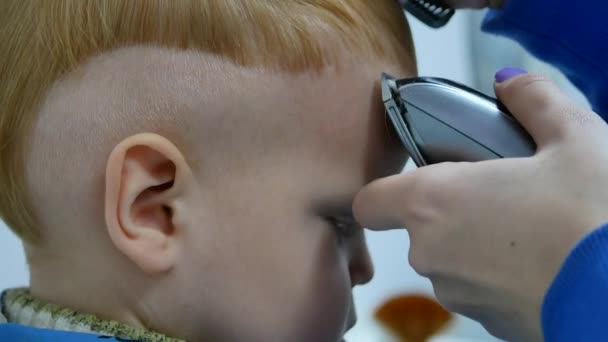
(145, 177)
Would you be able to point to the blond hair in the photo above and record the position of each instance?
(42, 40)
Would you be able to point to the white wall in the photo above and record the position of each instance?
(13, 268)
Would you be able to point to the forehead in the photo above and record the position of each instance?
(331, 124)
(334, 112)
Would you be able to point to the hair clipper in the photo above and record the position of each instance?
(442, 121)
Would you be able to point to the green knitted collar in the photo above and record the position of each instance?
(18, 306)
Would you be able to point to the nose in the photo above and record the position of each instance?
(361, 267)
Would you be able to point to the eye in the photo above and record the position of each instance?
(344, 227)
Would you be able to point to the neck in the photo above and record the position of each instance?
(21, 307)
(111, 289)
(81, 290)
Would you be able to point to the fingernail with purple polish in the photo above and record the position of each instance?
(507, 73)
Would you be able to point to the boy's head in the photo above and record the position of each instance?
(189, 165)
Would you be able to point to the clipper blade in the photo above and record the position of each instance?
(434, 13)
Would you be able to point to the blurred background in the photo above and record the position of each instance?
(459, 52)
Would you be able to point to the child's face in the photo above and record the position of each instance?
(264, 244)
(276, 252)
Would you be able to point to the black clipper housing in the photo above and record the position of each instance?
(434, 13)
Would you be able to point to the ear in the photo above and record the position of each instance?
(146, 180)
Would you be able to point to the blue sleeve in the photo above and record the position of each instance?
(576, 305)
(571, 35)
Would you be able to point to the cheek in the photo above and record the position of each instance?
(277, 277)
(325, 299)
(261, 261)
(309, 283)
(304, 278)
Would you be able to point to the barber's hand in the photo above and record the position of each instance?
(475, 3)
(492, 235)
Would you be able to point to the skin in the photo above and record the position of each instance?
(207, 193)
(491, 236)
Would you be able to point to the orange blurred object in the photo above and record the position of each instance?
(413, 318)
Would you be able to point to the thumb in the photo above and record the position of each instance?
(380, 204)
(539, 105)
(405, 199)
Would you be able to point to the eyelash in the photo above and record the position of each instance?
(343, 229)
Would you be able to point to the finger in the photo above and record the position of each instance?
(380, 204)
(407, 200)
(539, 105)
(468, 3)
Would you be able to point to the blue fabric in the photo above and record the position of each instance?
(571, 35)
(20, 333)
(576, 305)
